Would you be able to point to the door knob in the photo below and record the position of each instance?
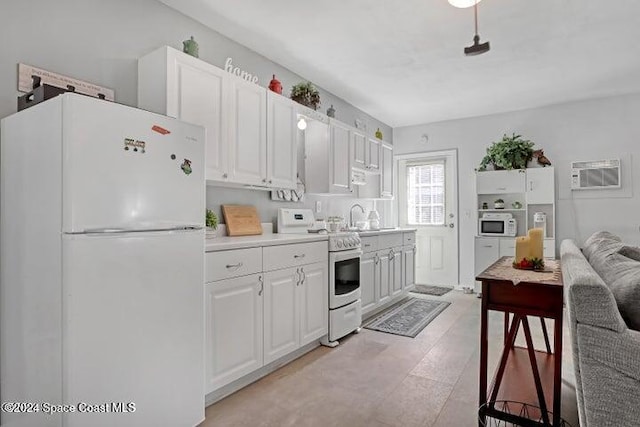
(451, 225)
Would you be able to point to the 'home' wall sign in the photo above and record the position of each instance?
(230, 68)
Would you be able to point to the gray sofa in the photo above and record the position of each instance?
(602, 292)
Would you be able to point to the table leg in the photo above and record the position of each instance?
(534, 368)
(546, 335)
(506, 326)
(557, 369)
(484, 347)
(505, 356)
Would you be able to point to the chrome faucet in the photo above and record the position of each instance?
(351, 223)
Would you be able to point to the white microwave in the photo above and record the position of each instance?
(489, 226)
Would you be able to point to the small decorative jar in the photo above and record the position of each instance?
(331, 112)
(275, 85)
(190, 47)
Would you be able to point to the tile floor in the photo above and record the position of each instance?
(378, 379)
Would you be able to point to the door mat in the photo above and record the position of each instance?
(431, 290)
(408, 317)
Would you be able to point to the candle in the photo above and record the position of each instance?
(536, 243)
(522, 247)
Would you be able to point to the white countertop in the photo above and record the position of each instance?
(366, 233)
(273, 239)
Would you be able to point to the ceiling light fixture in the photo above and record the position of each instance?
(463, 3)
(477, 48)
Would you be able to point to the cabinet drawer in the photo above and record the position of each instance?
(227, 264)
(409, 238)
(369, 244)
(277, 257)
(389, 240)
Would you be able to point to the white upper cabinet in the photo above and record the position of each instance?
(247, 133)
(339, 159)
(282, 161)
(373, 155)
(359, 149)
(386, 174)
(181, 86)
(540, 186)
(501, 182)
(241, 148)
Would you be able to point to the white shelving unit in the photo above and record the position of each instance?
(534, 188)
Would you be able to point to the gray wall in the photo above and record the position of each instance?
(591, 130)
(100, 41)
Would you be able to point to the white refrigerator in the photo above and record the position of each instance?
(101, 266)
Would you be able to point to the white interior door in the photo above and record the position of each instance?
(428, 201)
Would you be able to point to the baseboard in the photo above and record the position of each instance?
(254, 376)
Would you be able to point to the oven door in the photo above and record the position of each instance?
(344, 277)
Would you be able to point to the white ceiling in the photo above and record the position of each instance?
(402, 61)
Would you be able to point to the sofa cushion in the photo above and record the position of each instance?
(599, 246)
(622, 276)
(632, 252)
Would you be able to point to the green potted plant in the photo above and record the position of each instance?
(498, 204)
(307, 94)
(211, 221)
(511, 152)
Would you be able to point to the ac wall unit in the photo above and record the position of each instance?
(598, 174)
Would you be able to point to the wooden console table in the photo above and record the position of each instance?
(524, 374)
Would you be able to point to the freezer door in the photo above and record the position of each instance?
(133, 327)
(125, 168)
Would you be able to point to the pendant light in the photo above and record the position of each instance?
(463, 3)
(477, 48)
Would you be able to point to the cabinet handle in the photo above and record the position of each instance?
(264, 180)
(299, 256)
(376, 259)
(487, 246)
(298, 274)
(304, 276)
(238, 265)
(392, 255)
(225, 175)
(367, 245)
(501, 188)
(261, 286)
(530, 185)
(270, 182)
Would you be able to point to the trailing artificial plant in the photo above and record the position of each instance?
(511, 152)
(307, 94)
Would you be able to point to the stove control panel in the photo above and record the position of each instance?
(344, 241)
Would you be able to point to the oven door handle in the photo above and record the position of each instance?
(345, 255)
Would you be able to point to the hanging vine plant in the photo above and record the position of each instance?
(512, 152)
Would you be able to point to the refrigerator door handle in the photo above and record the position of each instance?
(112, 230)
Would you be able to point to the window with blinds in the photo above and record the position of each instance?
(425, 193)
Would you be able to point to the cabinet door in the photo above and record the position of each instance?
(507, 247)
(386, 175)
(408, 267)
(282, 159)
(395, 264)
(540, 186)
(500, 182)
(359, 149)
(197, 94)
(233, 331)
(373, 155)
(368, 278)
(487, 251)
(339, 160)
(247, 133)
(281, 313)
(314, 302)
(384, 282)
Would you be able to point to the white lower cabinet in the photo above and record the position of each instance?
(384, 284)
(369, 281)
(395, 275)
(295, 308)
(408, 267)
(314, 302)
(281, 313)
(234, 329)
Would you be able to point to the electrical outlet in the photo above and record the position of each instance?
(318, 206)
